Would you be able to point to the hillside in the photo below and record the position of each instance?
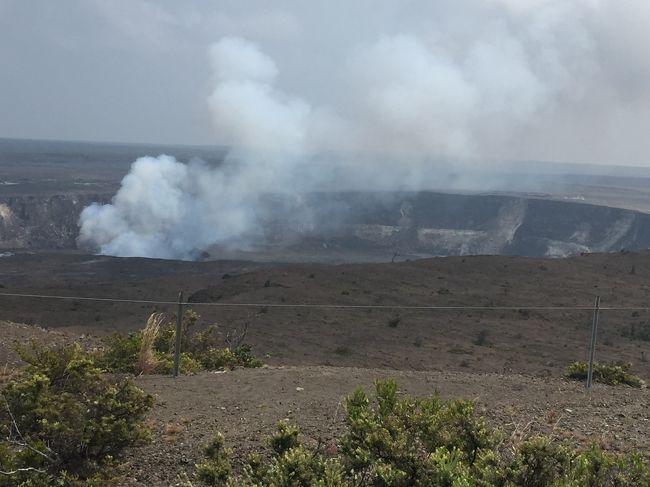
(510, 361)
(247, 404)
(539, 342)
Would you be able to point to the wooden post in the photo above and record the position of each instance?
(179, 330)
(592, 347)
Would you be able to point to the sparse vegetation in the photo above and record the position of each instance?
(151, 349)
(459, 350)
(428, 442)
(482, 338)
(610, 373)
(343, 350)
(63, 422)
(216, 469)
(637, 331)
(394, 322)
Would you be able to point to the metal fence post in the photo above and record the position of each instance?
(179, 330)
(592, 347)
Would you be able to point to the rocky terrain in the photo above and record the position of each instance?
(42, 222)
(499, 329)
(510, 361)
(437, 224)
(246, 405)
(371, 226)
(536, 209)
(500, 336)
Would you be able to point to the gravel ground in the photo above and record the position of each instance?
(246, 404)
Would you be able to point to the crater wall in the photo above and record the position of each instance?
(42, 221)
(416, 224)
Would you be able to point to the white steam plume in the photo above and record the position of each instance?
(247, 111)
(167, 209)
(500, 76)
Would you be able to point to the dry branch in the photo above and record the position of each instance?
(235, 337)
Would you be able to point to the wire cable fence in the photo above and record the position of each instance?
(594, 311)
(329, 305)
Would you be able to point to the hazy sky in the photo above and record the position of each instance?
(534, 79)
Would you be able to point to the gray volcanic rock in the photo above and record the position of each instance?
(437, 224)
(42, 221)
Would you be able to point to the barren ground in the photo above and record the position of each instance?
(539, 342)
(514, 373)
(245, 405)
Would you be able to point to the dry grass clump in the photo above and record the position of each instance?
(7, 373)
(146, 359)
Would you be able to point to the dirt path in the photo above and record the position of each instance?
(246, 404)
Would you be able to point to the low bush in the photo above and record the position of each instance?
(225, 358)
(610, 373)
(120, 353)
(637, 331)
(482, 338)
(216, 469)
(400, 442)
(186, 365)
(394, 322)
(151, 350)
(63, 421)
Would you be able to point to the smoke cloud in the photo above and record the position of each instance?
(477, 81)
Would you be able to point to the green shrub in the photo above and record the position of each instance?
(391, 436)
(204, 340)
(218, 358)
(63, 420)
(299, 467)
(187, 364)
(166, 340)
(399, 442)
(201, 350)
(284, 439)
(539, 463)
(120, 352)
(216, 470)
(610, 373)
(596, 468)
(245, 358)
(291, 464)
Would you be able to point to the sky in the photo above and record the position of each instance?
(514, 79)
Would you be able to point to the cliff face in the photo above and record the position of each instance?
(424, 224)
(417, 224)
(42, 222)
